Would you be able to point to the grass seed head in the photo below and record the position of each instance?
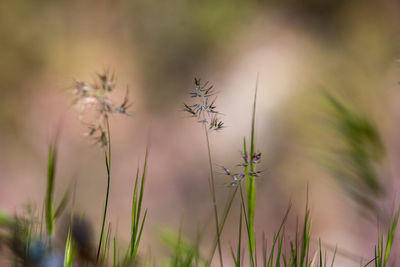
(239, 176)
(204, 108)
(95, 98)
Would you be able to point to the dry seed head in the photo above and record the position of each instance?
(238, 177)
(95, 99)
(204, 108)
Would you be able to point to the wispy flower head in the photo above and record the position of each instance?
(204, 108)
(237, 177)
(96, 98)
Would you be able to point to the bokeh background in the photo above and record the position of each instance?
(300, 49)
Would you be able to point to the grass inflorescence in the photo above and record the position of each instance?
(204, 110)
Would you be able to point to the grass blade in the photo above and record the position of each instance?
(49, 206)
(137, 223)
(69, 254)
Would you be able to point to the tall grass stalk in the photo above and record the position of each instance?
(205, 112)
(95, 96)
(49, 205)
(214, 199)
(107, 157)
(243, 207)
(250, 179)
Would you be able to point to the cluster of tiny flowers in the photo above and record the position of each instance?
(238, 177)
(204, 110)
(95, 97)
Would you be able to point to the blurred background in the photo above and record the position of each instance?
(300, 49)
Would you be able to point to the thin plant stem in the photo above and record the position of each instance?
(247, 227)
(252, 184)
(224, 217)
(214, 200)
(49, 205)
(107, 157)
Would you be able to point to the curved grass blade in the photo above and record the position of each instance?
(49, 206)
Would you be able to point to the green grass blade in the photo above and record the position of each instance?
(134, 214)
(252, 195)
(106, 248)
(235, 261)
(334, 256)
(63, 203)
(250, 180)
(390, 237)
(305, 236)
(320, 253)
(264, 248)
(251, 255)
(368, 263)
(137, 201)
(139, 235)
(69, 253)
(49, 206)
(142, 182)
(279, 252)
(108, 170)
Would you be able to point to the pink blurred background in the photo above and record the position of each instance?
(298, 48)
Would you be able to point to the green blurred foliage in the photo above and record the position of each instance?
(358, 156)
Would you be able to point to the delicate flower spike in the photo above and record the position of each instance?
(256, 173)
(189, 110)
(216, 124)
(226, 170)
(233, 184)
(241, 175)
(245, 158)
(125, 105)
(107, 81)
(256, 157)
(204, 109)
(95, 97)
(237, 178)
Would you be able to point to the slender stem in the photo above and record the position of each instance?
(250, 179)
(222, 224)
(247, 227)
(252, 192)
(107, 157)
(212, 190)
